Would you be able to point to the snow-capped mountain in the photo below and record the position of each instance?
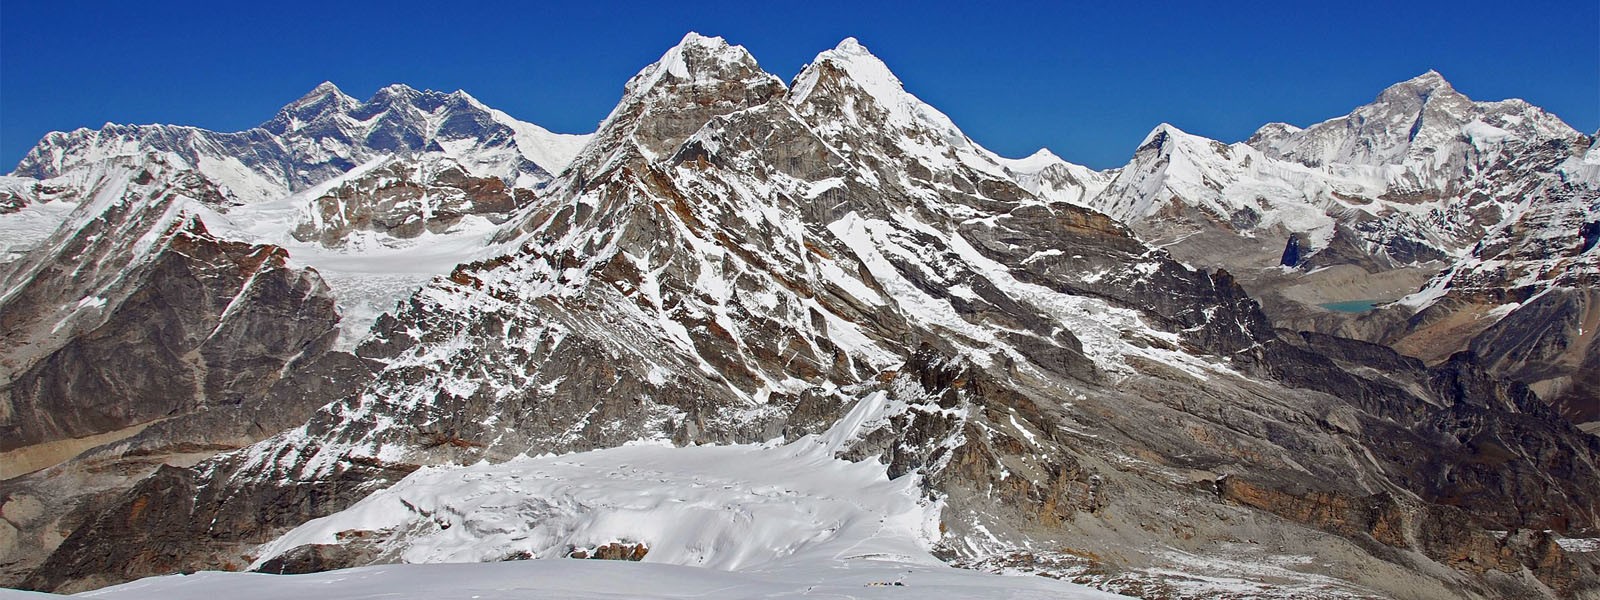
(1424, 126)
(832, 271)
(390, 192)
(1231, 187)
(379, 196)
(1499, 193)
(1368, 206)
(320, 136)
(1420, 174)
(1480, 163)
(1051, 178)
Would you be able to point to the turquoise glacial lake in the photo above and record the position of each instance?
(1352, 306)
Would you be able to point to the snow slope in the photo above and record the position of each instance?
(598, 580)
(738, 521)
(732, 508)
(1231, 183)
(372, 271)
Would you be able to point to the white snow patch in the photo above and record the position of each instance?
(761, 521)
(1579, 545)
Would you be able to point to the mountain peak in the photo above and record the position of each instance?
(1430, 78)
(698, 59)
(694, 45)
(1033, 163)
(851, 45)
(1419, 88)
(1160, 134)
(1043, 155)
(324, 99)
(323, 91)
(698, 79)
(849, 49)
(856, 63)
(847, 89)
(1409, 121)
(397, 89)
(1272, 133)
(695, 39)
(393, 94)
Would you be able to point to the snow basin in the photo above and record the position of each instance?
(720, 522)
(594, 580)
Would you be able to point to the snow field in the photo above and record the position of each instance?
(741, 521)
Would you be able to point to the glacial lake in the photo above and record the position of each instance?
(1352, 306)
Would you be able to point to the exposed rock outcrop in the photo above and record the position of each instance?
(402, 199)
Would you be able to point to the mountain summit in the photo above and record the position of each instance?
(1422, 123)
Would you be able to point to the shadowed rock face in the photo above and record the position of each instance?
(733, 261)
(1549, 343)
(187, 323)
(166, 349)
(1522, 301)
(137, 338)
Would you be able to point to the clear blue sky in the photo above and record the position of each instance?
(1087, 80)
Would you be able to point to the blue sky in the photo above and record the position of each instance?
(1087, 80)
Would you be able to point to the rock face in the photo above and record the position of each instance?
(140, 314)
(1524, 299)
(732, 260)
(136, 337)
(613, 551)
(402, 199)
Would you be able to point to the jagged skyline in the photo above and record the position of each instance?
(1087, 82)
